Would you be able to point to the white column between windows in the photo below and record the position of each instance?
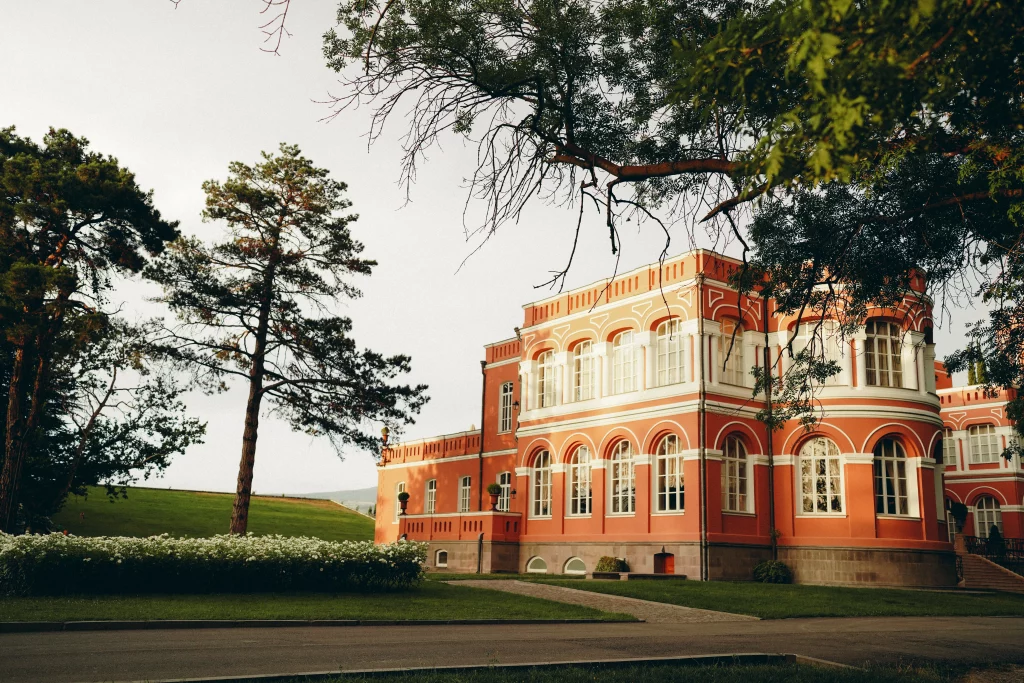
(526, 370)
(911, 360)
(689, 362)
(646, 375)
(563, 361)
(714, 370)
(858, 350)
(602, 356)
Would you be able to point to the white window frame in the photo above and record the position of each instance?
(505, 408)
(986, 515)
(574, 572)
(984, 443)
(532, 568)
(540, 485)
(437, 558)
(465, 493)
(735, 479)
(669, 471)
(892, 495)
(622, 488)
(430, 499)
(547, 380)
(504, 498)
(820, 451)
(883, 354)
(949, 449)
(583, 364)
(580, 501)
(822, 337)
(733, 371)
(671, 361)
(624, 363)
(399, 488)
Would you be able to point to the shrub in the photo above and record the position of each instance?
(403, 496)
(773, 571)
(494, 489)
(54, 564)
(959, 512)
(611, 564)
(995, 545)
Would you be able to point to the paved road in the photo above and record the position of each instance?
(142, 655)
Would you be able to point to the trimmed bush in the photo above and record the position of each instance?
(494, 489)
(54, 564)
(611, 564)
(773, 571)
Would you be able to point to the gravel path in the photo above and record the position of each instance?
(651, 612)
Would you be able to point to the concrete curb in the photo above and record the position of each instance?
(748, 658)
(41, 626)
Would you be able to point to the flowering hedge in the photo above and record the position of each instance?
(54, 564)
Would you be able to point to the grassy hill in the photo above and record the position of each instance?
(147, 512)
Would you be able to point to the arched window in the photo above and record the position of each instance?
(623, 487)
(821, 339)
(583, 371)
(505, 482)
(505, 409)
(541, 475)
(883, 348)
(536, 566)
(465, 493)
(984, 443)
(670, 475)
(623, 363)
(986, 515)
(546, 382)
(399, 488)
(890, 478)
(441, 558)
(730, 353)
(821, 488)
(579, 482)
(948, 447)
(734, 475)
(431, 497)
(671, 363)
(576, 566)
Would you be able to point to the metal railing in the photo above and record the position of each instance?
(1007, 552)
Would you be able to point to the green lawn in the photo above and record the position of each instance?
(147, 512)
(431, 600)
(780, 602)
(443, 576)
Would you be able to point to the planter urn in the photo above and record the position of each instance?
(494, 501)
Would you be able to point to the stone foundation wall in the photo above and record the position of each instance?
(462, 557)
(735, 562)
(871, 566)
(640, 556)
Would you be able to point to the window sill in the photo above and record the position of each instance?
(571, 516)
(668, 513)
(821, 515)
(620, 514)
(540, 518)
(739, 513)
(906, 518)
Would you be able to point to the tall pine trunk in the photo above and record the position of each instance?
(10, 476)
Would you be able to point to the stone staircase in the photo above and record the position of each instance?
(980, 573)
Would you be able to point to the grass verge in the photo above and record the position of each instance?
(431, 600)
(148, 512)
(443, 576)
(787, 601)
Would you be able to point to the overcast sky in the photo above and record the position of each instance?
(177, 94)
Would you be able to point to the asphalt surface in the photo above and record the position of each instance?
(167, 654)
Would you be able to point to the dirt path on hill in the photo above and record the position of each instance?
(651, 612)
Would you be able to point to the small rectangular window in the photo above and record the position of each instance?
(465, 493)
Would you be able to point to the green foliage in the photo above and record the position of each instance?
(403, 496)
(611, 564)
(995, 544)
(494, 489)
(773, 571)
(56, 564)
(959, 512)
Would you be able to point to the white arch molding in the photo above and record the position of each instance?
(864, 447)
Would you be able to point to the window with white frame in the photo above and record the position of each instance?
(583, 371)
(537, 566)
(441, 558)
(541, 476)
(821, 339)
(580, 493)
(399, 488)
(505, 482)
(891, 478)
(623, 484)
(950, 524)
(984, 443)
(948, 447)
(734, 475)
(730, 352)
(431, 498)
(465, 493)
(624, 363)
(821, 486)
(575, 565)
(671, 364)
(505, 409)
(986, 515)
(547, 384)
(669, 464)
(883, 349)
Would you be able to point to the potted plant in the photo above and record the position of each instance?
(494, 490)
(403, 500)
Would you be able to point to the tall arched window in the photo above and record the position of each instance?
(883, 348)
(431, 498)
(734, 475)
(580, 496)
(821, 486)
(541, 475)
(505, 482)
(547, 385)
(948, 447)
(821, 339)
(583, 371)
(730, 353)
(623, 487)
(984, 443)
(505, 409)
(890, 478)
(623, 363)
(671, 363)
(399, 488)
(986, 515)
(670, 475)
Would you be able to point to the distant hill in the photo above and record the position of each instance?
(147, 512)
(356, 498)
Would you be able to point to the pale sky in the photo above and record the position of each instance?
(176, 95)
